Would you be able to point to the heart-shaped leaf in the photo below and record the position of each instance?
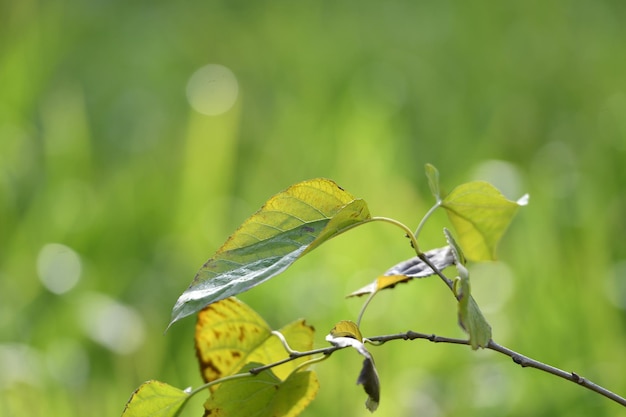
(229, 334)
(480, 214)
(404, 271)
(156, 399)
(263, 395)
(289, 225)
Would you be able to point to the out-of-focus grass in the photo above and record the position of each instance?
(100, 152)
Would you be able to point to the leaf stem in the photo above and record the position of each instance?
(426, 217)
(365, 304)
(409, 232)
(518, 358)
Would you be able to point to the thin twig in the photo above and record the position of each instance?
(440, 274)
(518, 358)
(295, 355)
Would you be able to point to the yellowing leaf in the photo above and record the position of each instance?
(263, 395)
(347, 328)
(229, 334)
(155, 399)
(289, 225)
(404, 271)
(480, 214)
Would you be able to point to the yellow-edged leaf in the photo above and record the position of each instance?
(289, 225)
(347, 328)
(229, 334)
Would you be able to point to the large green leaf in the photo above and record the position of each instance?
(155, 399)
(263, 395)
(289, 225)
(480, 214)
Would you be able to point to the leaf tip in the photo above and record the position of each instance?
(523, 200)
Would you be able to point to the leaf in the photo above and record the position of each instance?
(404, 271)
(155, 399)
(263, 395)
(368, 377)
(347, 328)
(455, 249)
(477, 327)
(471, 318)
(433, 181)
(230, 334)
(289, 225)
(480, 214)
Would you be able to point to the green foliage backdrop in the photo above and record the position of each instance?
(114, 191)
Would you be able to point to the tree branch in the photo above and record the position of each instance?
(518, 358)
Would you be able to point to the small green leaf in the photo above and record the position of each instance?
(263, 395)
(230, 334)
(155, 399)
(433, 181)
(457, 253)
(289, 225)
(471, 318)
(480, 215)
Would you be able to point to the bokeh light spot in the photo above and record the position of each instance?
(19, 363)
(58, 267)
(493, 283)
(212, 90)
(113, 325)
(503, 175)
(68, 362)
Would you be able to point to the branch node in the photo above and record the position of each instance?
(519, 360)
(577, 378)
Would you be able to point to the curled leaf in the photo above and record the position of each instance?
(455, 249)
(289, 225)
(368, 377)
(347, 328)
(404, 271)
(471, 319)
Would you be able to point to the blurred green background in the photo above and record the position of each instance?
(136, 136)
